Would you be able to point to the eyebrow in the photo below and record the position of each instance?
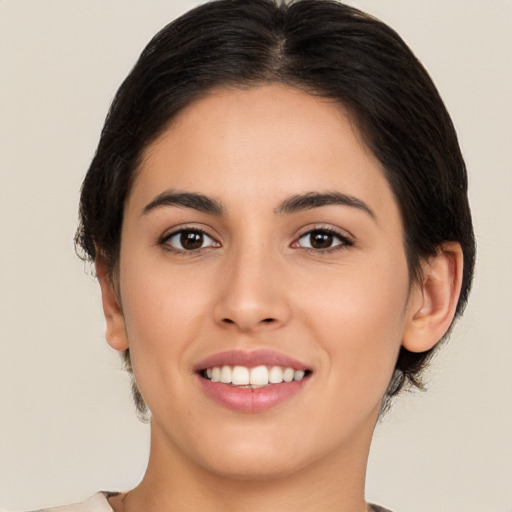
(293, 204)
(312, 200)
(193, 200)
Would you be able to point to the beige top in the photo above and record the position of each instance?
(96, 503)
(99, 503)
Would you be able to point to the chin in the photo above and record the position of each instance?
(257, 460)
(253, 469)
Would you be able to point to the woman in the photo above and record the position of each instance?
(277, 213)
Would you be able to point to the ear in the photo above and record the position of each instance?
(433, 302)
(115, 332)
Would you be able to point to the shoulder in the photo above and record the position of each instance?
(96, 503)
(376, 508)
(99, 503)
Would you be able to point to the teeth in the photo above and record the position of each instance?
(215, 374)
(240, 376)
(276, 375)
(258, 376)
(225, 375)
(288, 374)
(299, 374)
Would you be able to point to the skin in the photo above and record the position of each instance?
(256, 284)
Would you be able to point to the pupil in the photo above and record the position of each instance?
(321, 240)
(191, 240)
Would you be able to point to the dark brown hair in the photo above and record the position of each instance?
(324, 48)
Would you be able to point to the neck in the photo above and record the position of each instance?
(174, 482)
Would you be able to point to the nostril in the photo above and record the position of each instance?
(242, 324)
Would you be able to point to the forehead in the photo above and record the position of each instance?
(267, 141)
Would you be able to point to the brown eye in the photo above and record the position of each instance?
(321, 239)
(190, 240)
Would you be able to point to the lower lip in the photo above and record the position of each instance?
(251, 399)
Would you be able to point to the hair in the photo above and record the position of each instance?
(323, 48)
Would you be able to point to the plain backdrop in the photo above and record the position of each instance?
(67, 424)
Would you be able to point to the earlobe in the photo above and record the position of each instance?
(433, 302)
(115, 331)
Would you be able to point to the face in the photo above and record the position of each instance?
(262, 245)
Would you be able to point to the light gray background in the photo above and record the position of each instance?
(67, 426)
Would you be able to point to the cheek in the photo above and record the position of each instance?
(164, 313)
(359, 320)
(161, 308)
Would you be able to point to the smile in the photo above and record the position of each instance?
(256, 377)
(252, 381)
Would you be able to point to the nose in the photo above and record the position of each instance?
(253, 294)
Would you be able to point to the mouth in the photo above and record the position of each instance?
(255, 377)
(252, 382)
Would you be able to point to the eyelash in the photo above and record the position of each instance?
(164, 241)
(343, 239)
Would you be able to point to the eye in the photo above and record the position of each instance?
(322, 239)
(189, 240)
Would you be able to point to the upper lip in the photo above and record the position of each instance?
(250, 359)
